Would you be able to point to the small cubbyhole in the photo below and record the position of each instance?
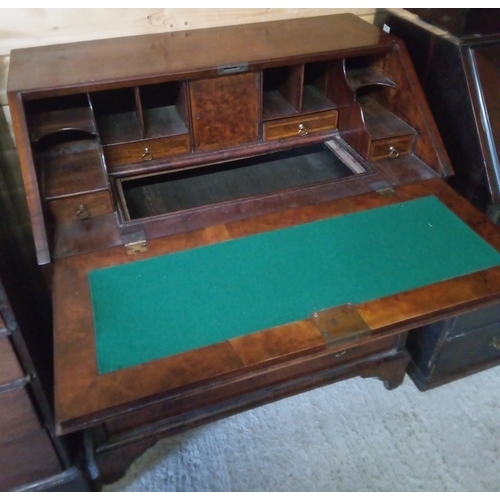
(69, 162)
(116, 113)
(282, 94)
(319, 87)
(59, 114)
(380, 123)
(164, 109)
(364, 71)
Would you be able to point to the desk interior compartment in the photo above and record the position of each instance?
(66, 148)
(299, 89)
(164, 109)
(146, 196)
(383, 130)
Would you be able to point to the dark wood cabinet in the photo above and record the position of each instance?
(454, 348)
(460, 74)
(180, 153)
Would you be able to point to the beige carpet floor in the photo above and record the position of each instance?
(350, 436)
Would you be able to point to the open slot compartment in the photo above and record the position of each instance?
(66, 148)
(319, 87)
(300, 167)
(373, 127)
(118, 115)
(304, 88)
(164, 109)
(59, 114)
(282, 91)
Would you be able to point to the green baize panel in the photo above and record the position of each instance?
(173, 303)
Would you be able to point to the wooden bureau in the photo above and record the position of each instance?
(170, 149)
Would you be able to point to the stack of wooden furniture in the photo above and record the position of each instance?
(141, 147)
(32, 458)
(456, 54)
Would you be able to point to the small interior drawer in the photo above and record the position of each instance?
(81, 207)
(300, 126)
(465, 351)
(390, 148)
(10, 369)
(147, 150)
(17, 416)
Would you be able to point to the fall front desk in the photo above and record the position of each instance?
(291, 202)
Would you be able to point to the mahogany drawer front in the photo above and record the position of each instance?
(148, 150)
(300, 125)
(17, 416)
(27, 459)
(81, 207)
(465, 351)
(10, 369)
(390, 148)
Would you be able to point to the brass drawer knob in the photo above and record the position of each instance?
(302, 130)
(147, 155)
(393, 152)
(83, 213)
(495, 343)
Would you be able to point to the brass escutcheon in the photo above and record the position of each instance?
(393, 152)
(83, 213)
(302, 130)
(147, 155)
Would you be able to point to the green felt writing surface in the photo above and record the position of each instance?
(173, 303)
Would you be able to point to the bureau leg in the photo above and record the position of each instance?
(391, 372)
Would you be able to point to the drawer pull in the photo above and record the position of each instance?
(147, 155)
(393, 152)
(495, 343)
(340, 353)
(83, 213)
(302, 130)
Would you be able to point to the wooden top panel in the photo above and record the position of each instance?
(183, 53)
(82, 395)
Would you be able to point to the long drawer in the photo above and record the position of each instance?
(183, 404)
(27, 459)
(17, 416)
(10, 369)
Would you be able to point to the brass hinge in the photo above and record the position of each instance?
(135, 243)
(341, 324)
(383, 188)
